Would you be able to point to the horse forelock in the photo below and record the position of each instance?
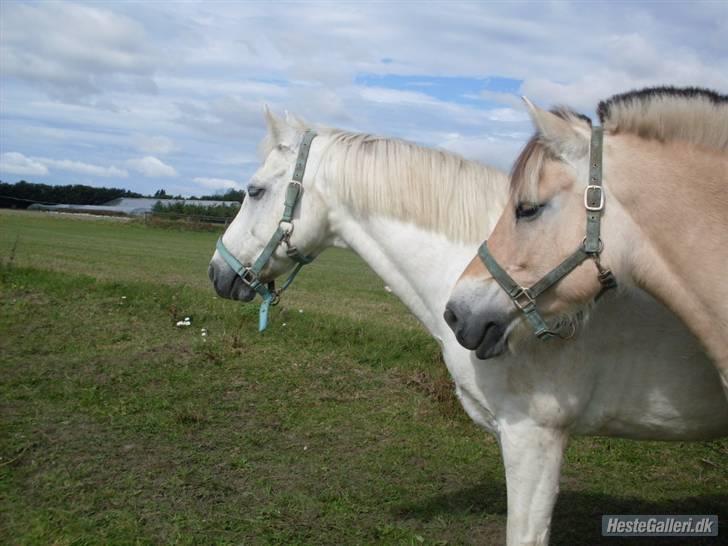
(526, 171)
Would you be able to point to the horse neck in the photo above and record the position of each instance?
(419, 265)
(674, 195)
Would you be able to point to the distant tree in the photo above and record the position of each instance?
(75, 194)
(24, 193)
(234, 195)
(187, 209)
(230, 195)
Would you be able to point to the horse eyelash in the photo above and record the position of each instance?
(538, 209)
(255, 191)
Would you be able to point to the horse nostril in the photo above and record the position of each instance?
(450, 317)
(211, 272)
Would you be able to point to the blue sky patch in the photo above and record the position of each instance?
(450, 89)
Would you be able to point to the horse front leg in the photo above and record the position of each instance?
(532, 457)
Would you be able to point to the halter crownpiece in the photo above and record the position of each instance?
(251, 275)
(591, 247)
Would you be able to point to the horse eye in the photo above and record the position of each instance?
(255, 192)
(528, 211)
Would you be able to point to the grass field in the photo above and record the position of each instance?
(336, 426)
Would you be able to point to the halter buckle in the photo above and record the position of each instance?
(523, 299)
(597, 195)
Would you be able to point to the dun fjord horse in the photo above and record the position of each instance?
(416, 216)
(640, 202)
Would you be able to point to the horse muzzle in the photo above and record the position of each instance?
(228, 284)
(484, 333)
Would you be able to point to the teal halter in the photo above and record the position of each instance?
(591, 247)
(251, 275)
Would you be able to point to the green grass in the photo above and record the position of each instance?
(117, 427)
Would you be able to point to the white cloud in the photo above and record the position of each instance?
(83, 168)
(507, 115)
(153, 144)
(75, 51)
(226, 117)
(151, 166)
(205, 87)
(497, 152)
(634, 61)
(218, 183)
(395, 96)
(79, 80)
(17, 163)
(502, 98)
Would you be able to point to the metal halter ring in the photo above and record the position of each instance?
(522, 298)
(601, 245)
(288, 231)
(249, 277)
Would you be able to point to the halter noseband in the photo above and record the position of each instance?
(251, 275)
(591, 247)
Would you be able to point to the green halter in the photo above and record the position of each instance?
(251, 275)
(591, 247)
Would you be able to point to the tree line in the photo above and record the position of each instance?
(183, 210)
(230, 195)
(22, 194)
(76, 194)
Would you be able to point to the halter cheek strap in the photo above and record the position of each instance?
(282, 235)
(591, 247)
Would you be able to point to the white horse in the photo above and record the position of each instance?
(417, 216)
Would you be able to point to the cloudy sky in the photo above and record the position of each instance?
(149, 95)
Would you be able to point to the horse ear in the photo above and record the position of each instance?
(295, 121)
(272, 122)
(291, 119)
(280, 131)
(567, 137)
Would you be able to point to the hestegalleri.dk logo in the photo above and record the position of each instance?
(632, 525)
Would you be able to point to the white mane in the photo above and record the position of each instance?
(433, 189)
